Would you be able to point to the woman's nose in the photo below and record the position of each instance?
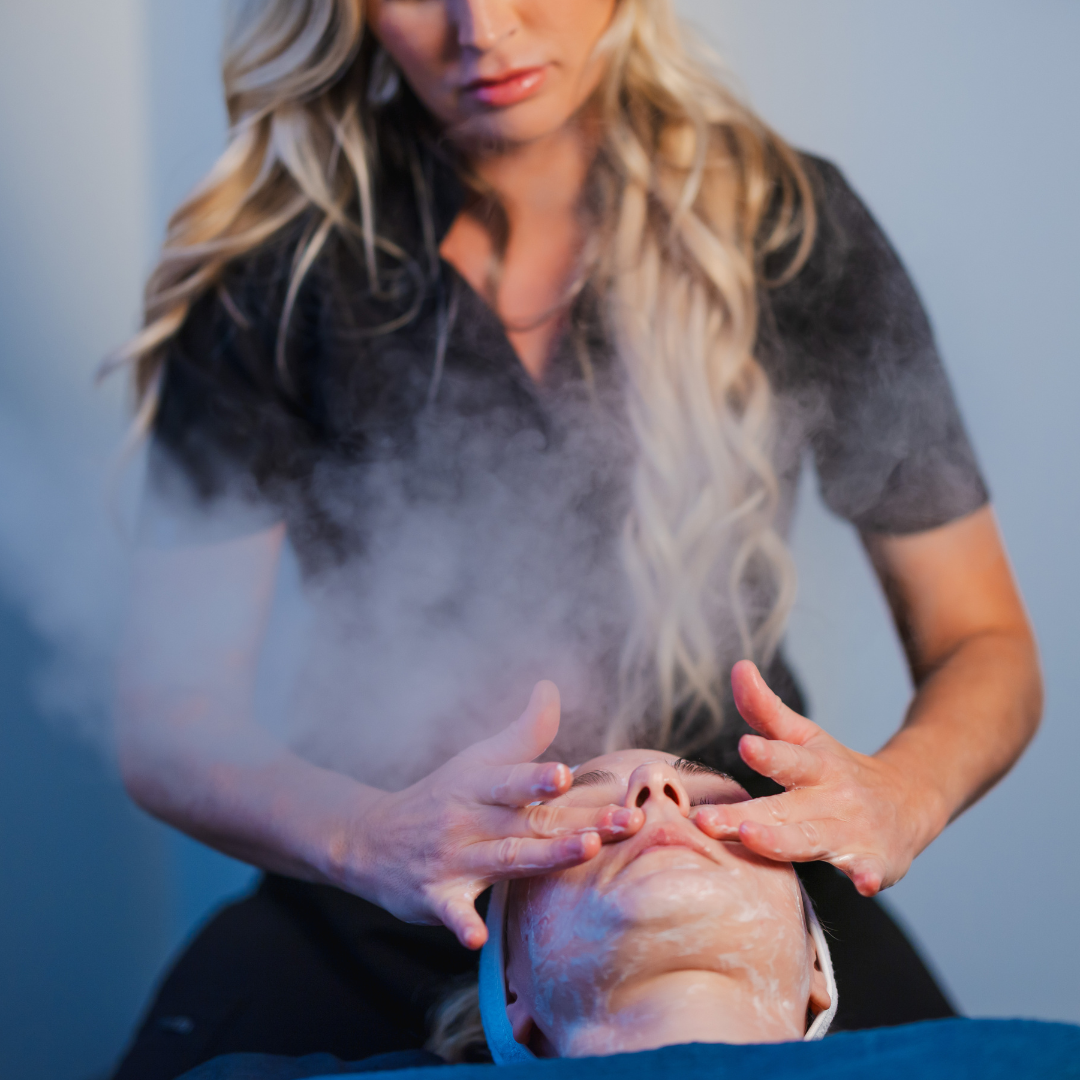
(657, 786)
(482, 24)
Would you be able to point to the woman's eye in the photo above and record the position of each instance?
(703, 800)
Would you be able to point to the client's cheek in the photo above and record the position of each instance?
(571, 971)
(539, 919)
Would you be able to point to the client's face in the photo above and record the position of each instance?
(669, 936)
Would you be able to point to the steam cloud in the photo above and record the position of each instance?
(486, 561)
(64, 545)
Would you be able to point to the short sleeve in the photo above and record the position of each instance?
(230, 432)
(890, 448)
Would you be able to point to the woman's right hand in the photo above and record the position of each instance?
(426, 853)
(191, 754)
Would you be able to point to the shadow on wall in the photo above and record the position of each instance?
(85, 912)
(97, 896)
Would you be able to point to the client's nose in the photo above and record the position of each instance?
(657, 785)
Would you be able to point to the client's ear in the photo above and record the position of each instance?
(820, 999)
(524, 1026)
(520, 1017)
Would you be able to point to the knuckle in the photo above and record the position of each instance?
(544, 820)
(811, 834)
(508, 851)
(787, 754)
(847, 797)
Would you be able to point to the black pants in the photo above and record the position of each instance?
(297, 968)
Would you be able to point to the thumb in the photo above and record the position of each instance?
(528, 736)
(764, 711)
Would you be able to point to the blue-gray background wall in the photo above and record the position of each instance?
(957, 122)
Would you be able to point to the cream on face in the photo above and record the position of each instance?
(669, 936)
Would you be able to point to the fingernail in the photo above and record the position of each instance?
(548, 786)
(583, 842)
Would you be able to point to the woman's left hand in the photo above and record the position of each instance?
(852, 810)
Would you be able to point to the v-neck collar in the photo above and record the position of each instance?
(401, 222)
(447, 201)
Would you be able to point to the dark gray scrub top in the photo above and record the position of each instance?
(846, 345)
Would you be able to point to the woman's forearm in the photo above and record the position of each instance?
(974, 661)
(424, 853)
(190, 750)
(231, 785)
(969, 721)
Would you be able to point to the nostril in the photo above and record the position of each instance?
(670, 792)
(642, 797)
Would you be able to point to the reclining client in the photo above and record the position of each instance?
(667, 937)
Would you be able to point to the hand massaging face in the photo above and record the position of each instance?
(667, 937)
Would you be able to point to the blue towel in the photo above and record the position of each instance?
(932, 1050)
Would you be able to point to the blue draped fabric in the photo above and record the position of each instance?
(934, 1050)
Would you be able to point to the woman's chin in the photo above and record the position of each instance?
(515, 125)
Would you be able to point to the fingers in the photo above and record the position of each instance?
(518, 856)
(791, 766)
(510, 857)
(764, 711)
(867, 872)
(764, 827)
(802, 841)
(460, 917)
(722, 821)
(546, 822)
(522, 784)
(528, 736)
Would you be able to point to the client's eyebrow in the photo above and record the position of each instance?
(686, 766)
(689, 767)
(594, 779)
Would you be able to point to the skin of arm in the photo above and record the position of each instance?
(977, 704)
(191, 754)
(188, 750)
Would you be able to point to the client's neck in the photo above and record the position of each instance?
(684, 1007)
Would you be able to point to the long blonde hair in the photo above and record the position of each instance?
(692, 194)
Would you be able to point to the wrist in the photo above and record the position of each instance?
(923, 804)
(322, 818)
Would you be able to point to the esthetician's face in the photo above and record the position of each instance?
(587, 942)
(509, 71)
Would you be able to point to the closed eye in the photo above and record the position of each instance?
(594, 779)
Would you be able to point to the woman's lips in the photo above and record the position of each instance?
(508, 89)
(668, 835)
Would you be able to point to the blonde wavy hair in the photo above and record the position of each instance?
(690, 194)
